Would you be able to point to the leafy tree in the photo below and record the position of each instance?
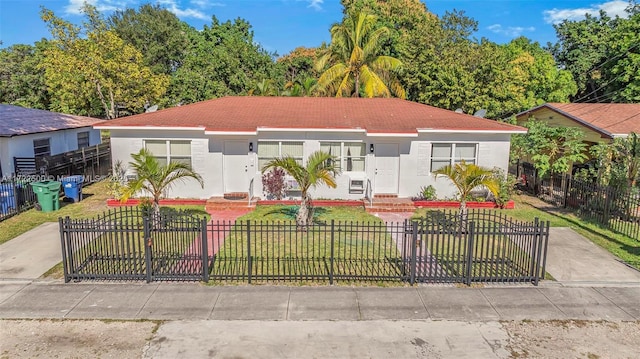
(156, 32)
(355, 65)
(551, 149)
(603, 55)
(298, 65)
(22, 78)
(320, 169)
(99, 70)
(223, 59)
(266, 87)
(302, 87)
(618, 163)
(466, 177)
(154, 178)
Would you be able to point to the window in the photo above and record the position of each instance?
(41, 147)
(269, 150)
(83, 139)
(170, 150)
(350, 156)
(445, 154)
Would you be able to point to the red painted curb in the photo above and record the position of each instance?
(453, 204)
(168, 202)
(319, 203)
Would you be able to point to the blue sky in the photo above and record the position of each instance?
(282, 25)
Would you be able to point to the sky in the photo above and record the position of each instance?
(282, 25)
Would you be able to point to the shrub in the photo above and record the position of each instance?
(506, 187)
(273, 183)
(427, 193)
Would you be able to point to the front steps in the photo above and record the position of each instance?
(230, 201)
(385, 203)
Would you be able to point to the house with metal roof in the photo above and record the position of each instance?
(30, 133)
(384, 146)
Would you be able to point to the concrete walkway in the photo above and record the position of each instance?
(31, 254)
(190, 301)
(575, 260)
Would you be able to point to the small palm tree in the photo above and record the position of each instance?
(320, 169)
(466, 178)
(154, 178)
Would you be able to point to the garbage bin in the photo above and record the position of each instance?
(48, 193)
(73, 187)
(7, 198)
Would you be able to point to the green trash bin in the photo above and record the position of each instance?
(48, 193)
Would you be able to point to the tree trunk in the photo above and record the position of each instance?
(305, 213)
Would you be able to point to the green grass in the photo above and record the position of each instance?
(280, 248)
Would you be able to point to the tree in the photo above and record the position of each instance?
(223, 60)
(603, 55)
(21, 76)
(466, 177)
(355, 65)
(154, 178)
(551, 149)
(320, 169)
(618, 163)
(99, 71)
(157, 33)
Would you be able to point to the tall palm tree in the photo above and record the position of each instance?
(155, 178)
(320, 169)
(466, 178)
(355, 65)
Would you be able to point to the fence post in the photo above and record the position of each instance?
(147, 247)
(332, 251)
(63, 244)
(205, 251)
(567, 188)
(469, 259)
(414, 250)
(545, 237)
(535, 256)
(249, 261)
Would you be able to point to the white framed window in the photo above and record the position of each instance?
(83, 139)
(170, 150)
(445, 154)
(350, 156)
(42, 147)
(269, 150)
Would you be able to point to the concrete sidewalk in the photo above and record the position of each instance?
(190, 301)
(31, 254)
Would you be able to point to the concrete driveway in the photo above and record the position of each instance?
(31, 254)
(571, 258)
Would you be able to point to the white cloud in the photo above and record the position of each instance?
(511, 31)
(203, 4)
(172, 5)
(75, 6)
(612, 8)
(315, 4)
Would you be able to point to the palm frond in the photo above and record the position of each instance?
(373, 84)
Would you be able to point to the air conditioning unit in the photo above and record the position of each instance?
(356, 184)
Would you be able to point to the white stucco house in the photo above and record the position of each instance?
(30, 133)
(384, 146)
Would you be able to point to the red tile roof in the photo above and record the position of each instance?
(249, 114)
(607, 118)
(16, 121)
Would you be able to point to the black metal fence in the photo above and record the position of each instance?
(16, 196)
(483, 246)
(617, 209)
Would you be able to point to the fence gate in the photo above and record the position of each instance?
(129, 244)
(478, 247)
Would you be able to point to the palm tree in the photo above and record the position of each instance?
(154, 178)
(320, 169)
(466, 178)
(355, 64)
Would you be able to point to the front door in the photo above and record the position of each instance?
(235, 166)
(387, 168)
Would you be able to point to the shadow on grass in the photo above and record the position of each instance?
(184, 211)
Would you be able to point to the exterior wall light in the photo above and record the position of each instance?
(250, 146)
(371, 148)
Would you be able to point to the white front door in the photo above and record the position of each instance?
(387, 168)
(235, 166)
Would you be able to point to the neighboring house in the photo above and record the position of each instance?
(599, 121)
(387, 146)
(31, 133)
